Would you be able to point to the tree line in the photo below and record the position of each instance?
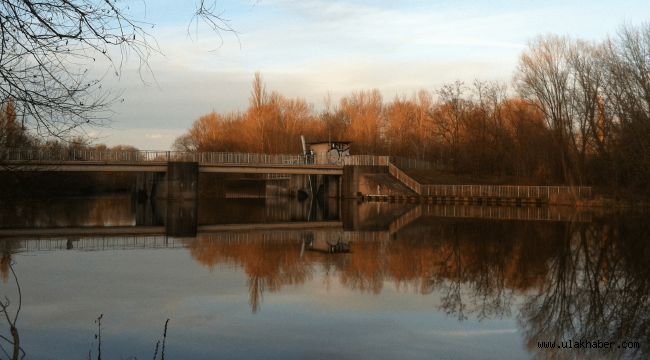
(576, 113)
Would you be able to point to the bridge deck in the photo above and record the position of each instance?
(105, 166)
(156, 161)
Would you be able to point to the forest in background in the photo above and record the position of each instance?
(576, 113)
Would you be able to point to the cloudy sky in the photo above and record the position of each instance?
(310, 48)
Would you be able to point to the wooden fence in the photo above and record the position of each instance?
(542, 192)
(403, 163)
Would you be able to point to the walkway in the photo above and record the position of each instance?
(156, 161)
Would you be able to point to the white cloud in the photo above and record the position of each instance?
(314, 47)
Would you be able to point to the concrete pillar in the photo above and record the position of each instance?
(181, 218)
(350, 215)
(350, 182)
(182, 180)
(331, 186)
(331, 209)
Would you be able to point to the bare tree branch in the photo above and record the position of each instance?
(48, 50)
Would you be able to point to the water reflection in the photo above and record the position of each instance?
(596, 288)
(576, 281)
(585, 280)
(66, 212)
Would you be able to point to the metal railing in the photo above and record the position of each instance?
(505, 212)
(403, 162)
(101, 243)
(543, 192)
(365, 160)
(58, 155)
(407, 180)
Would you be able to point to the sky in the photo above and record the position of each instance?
(315, 48)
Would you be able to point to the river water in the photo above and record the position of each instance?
(282, 279)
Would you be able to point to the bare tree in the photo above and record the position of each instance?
(48, 50)
(628, 98)
(593, 124)
(543, 77)
(449, 116)
(258, 106)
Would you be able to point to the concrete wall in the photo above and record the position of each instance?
(354, 182)
(371, 180)
(383, 184)
(320, 151)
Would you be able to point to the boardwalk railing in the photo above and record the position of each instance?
(542, 192)
(403, 163)
(505, 212)
(407, 180)
(365, 160)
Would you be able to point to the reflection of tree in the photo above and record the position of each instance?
(365, 269)
(476, 265)
(65, 212)
(270, 265)
(7, 249)
(580, 281)
(14, 341)
(598, 289)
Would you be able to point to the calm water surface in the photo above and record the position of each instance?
(283, 279)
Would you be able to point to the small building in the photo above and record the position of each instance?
(329, 152)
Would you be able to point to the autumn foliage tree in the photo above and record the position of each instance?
(12, 134)
(579, 115)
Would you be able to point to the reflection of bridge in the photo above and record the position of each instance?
(144, 231)
(156, 237)
(154, 242)
(545, 213)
